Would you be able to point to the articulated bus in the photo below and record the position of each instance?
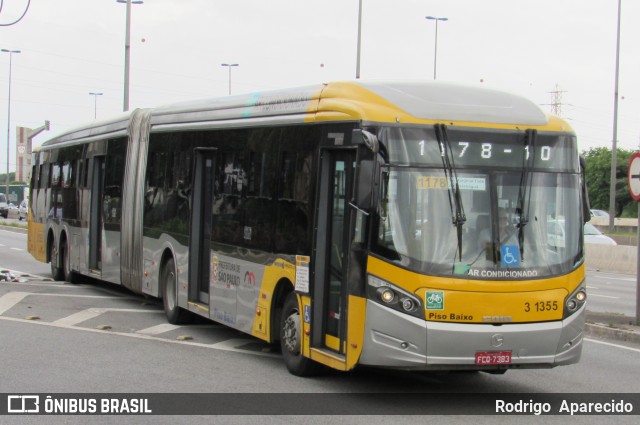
(390, 224)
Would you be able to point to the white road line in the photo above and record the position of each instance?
(78, 317)
(231, 344)
(603, 296)
(592, 287)
(218, 346)
(90, 313)
(159, 329)
(7, 301)
(24, 274)
(104, 297)
(613, 345)
(51, 284)
(17, 249)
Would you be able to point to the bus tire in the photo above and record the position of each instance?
(69, 275)
(57, 273)
(290, 339)
(169, 281)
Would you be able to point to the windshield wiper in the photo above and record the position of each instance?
(455, 200)
(526, 181)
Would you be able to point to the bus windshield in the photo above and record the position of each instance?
(416, 216)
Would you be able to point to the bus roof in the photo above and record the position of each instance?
(416, 102)
(413, 102)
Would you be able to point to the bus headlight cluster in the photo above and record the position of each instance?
(575, 300)
(389, 295)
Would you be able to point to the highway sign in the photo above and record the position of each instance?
(634, 176)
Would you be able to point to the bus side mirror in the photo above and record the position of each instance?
(363, 137)
(365, 169)
(586, 208)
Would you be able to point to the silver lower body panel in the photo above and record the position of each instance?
(396, 340)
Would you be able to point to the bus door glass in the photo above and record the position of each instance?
(200, 232)
(95, 218)
(333, 239)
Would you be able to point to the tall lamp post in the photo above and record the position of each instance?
(127, 51)
(614, 149)
(230, 65)
(435, 53)
(11, 52)
(95, 104)
(359, 39)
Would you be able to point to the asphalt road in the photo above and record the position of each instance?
(612, 293)
(62, 338)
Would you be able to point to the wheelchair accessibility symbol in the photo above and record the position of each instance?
(509, 256)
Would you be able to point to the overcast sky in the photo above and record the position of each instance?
(73, 47)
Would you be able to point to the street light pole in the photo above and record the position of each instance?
(230, 65)
(95, 104)
(614, 148)
(435, 53)
(11, 52)
(359, 40)
(127, 50)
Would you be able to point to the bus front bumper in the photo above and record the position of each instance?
(397, 340)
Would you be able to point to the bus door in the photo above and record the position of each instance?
(200, 232)
(332, 250)
(95, 215)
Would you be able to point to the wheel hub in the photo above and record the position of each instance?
(291, 332)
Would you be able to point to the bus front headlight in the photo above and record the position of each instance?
(576, 300)
(391, 296)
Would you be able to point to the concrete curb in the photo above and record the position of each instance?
(603, 331)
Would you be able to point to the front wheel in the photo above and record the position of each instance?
(169, 281)
(291, 339)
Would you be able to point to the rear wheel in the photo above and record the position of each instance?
(291, 339)
(169, 281)
(56, 271)
(69, 275)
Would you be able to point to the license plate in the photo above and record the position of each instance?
(493, 357)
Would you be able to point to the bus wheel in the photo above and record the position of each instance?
(69, 275)
(290, 339)
(56, 272)
(169, 281)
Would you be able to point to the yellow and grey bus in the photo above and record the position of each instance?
(390, 224)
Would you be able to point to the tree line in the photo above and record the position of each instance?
(598, 177)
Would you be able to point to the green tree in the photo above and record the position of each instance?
(598, 177)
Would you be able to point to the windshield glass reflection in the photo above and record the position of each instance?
(415, 227)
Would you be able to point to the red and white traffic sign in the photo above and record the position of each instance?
(634, 176)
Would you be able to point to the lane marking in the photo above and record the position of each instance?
(25, 274)
(10, 299)
(613, 345)
(17, 249)
(147, 337)
(91, 313)
(167, 327)
(51, 284)
(626, 279)
(231, 344)
(158, 329)
(7, 301)
(603, 296)
(104, 297)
